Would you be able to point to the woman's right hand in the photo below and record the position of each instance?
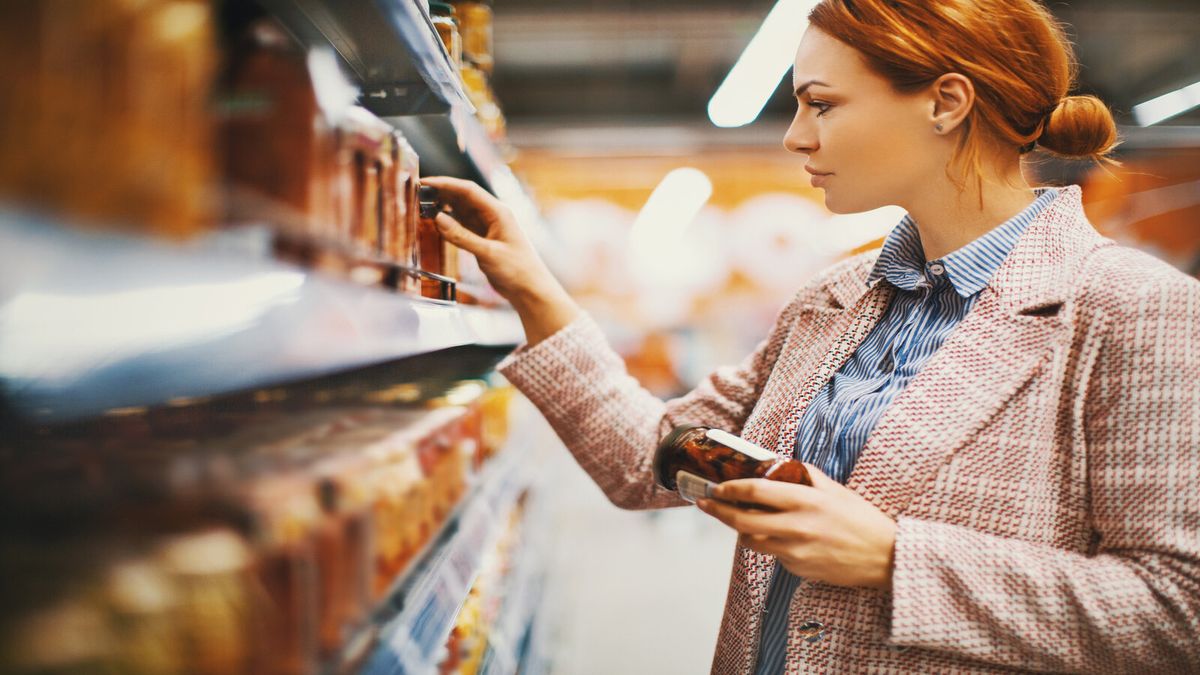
(481, 225)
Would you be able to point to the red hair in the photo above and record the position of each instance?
(1016, 54)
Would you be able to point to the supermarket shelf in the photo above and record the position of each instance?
(509, 639)
(415, 625)
(393, 53)
(390, 47)
(91, 322)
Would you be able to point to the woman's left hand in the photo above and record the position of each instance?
(826, 532)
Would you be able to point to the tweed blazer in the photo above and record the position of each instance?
(1043, 467)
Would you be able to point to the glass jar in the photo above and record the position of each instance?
(692, 458)
(445, 20)
(475, 25)
(403, 247)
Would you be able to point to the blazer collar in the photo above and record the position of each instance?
(1036, 273)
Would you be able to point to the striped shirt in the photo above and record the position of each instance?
(932, 298)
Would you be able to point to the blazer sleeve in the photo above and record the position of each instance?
(1133, 603)
(610, 423)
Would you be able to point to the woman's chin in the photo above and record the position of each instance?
(841, 206)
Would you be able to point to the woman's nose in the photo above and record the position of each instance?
(800, 137)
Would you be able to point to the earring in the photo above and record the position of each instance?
(938, 126)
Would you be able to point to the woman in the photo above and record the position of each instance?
(1001, 408)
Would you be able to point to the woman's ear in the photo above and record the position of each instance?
(952, 96)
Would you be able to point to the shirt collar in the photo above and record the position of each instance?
(968, 269)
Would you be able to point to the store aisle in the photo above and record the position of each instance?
(629, 592)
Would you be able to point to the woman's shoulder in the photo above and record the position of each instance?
(1123, 281)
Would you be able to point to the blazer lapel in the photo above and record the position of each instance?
(1011, 334)
(812, 359)
(968, 381)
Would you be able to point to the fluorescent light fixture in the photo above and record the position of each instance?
(766, 60)
(1168, 105)
(673, 205)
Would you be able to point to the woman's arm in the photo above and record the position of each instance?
(606, 419)
(1134, 605)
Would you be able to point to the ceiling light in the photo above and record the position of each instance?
(752, 80)
(672, 206)
(1168, 105)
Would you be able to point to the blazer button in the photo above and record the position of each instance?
(811, 631)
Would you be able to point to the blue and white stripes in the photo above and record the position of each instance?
(932, 300)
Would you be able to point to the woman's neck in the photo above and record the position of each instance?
(949, 219)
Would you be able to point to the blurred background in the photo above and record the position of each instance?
(249, 419)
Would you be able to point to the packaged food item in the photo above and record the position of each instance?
(369, 140)
(279, 147)
(445, 20)
(475, 25)
(471, 396)
(692, 458)
(344, 547)
(108, 120)
(215, 617)
(494, 408)
(402, 244)
(436, 255)
(479, 91)
(285, 517)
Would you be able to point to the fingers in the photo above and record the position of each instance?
(749, 522)
(455, 233)
(770, 493)
(819, 479)
(467, 199)
(762, 543)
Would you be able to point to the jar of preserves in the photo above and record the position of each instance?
(692, 458)
(475, 25)
(445, 20)
(273, 133)
(435, 254)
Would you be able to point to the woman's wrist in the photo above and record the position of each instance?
(544, 310)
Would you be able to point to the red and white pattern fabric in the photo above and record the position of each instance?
(1044, 466)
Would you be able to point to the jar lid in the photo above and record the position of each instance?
(437, 8)
(661, 454)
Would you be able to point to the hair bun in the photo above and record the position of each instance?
(1081, 126)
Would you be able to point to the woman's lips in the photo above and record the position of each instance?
(819, 179)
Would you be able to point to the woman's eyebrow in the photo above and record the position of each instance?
(804, 87)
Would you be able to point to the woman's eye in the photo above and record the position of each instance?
(821, 106)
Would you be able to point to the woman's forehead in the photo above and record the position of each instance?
(827, 61)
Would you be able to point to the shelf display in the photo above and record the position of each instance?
(237, 427)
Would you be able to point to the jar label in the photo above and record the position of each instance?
(692, 487)
(741, 445)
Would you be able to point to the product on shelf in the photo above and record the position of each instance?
(286, 517)
(468, 638)
(691, 458)
(494, 411)
(214, 613)
(368, 141)
(483, 97)
(279, 146)
(445, 20)
(106, 112)
(436, 255)
(345, 550)
(402, 242)
(475, 24)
